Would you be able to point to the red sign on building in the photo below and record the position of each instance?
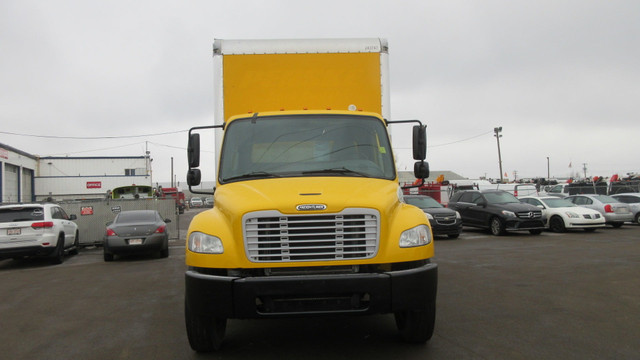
(94, 184)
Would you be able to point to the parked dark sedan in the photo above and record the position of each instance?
(443, 221)
(497, 211)
(135, 232)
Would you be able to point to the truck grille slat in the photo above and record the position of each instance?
(273, 237)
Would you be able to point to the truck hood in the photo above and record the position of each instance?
(306, 195)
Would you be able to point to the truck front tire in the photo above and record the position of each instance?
(416, 326)
(205, 333)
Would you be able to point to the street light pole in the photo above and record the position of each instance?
(548, 171)
(497, 134)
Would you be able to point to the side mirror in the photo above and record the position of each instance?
(419, 142)
(193, 151)
(73, 217)
(421, 169)
(167, 221)
(193, 177)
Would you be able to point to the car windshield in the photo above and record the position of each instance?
(558, 203)
(423, 202)
(138, 217)
(288, 146)
(21, 214)
(500, 197)
(605, 199)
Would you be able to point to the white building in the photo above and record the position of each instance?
(16, 175)
(61, 178)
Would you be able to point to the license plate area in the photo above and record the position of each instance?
(135, 241)
(14, 231)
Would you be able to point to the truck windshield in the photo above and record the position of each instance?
(306, 145)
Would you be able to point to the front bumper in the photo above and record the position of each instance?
(517, 224)
(452, 229)
(304, 295)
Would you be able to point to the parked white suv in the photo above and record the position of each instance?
(37, 230)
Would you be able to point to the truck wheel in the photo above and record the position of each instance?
(205, 333)
(556, 224)
(453, 236)
(416, 326)
(496, 226)
(58, 254)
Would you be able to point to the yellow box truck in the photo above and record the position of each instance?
(308, 217)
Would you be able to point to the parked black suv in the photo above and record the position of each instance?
(443, 221)
(497, 211)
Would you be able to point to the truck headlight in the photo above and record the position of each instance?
(417, 236)
(205, 244)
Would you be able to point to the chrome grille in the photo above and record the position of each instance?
(530, 214)
(270, 236)
(445, 220)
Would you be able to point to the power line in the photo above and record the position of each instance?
(93, 137)
(453, 142)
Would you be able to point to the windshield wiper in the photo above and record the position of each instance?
(253, 175)
(338, 171)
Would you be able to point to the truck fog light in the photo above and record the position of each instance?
(205, 244)
(417, 236)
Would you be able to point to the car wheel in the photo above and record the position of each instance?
(164, 253)
(58, 254)
(590, 229)
(205, 333)
(556, 224)
(496, 226)
(535, 231)
(617, 224)
(108, 257)
(453, 236)
(76, 245)
(416, 326)
(637, 219)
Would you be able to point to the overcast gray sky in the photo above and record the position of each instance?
(562, 78)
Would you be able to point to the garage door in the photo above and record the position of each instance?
(27, 185)
(11, 187)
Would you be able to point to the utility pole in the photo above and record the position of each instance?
(497, 134)
(172, 171)
(584, 167)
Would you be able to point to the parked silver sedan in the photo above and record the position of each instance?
(633, 199)
(135, 232)
(615, 212)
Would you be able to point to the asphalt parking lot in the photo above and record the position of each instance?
(552, 296)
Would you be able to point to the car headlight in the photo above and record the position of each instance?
(429, 216)
(458, 215)
(417, 236)
(572, 215)
(205, 244)
(508, 213)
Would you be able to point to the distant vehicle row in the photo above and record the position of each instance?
(499, 211)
